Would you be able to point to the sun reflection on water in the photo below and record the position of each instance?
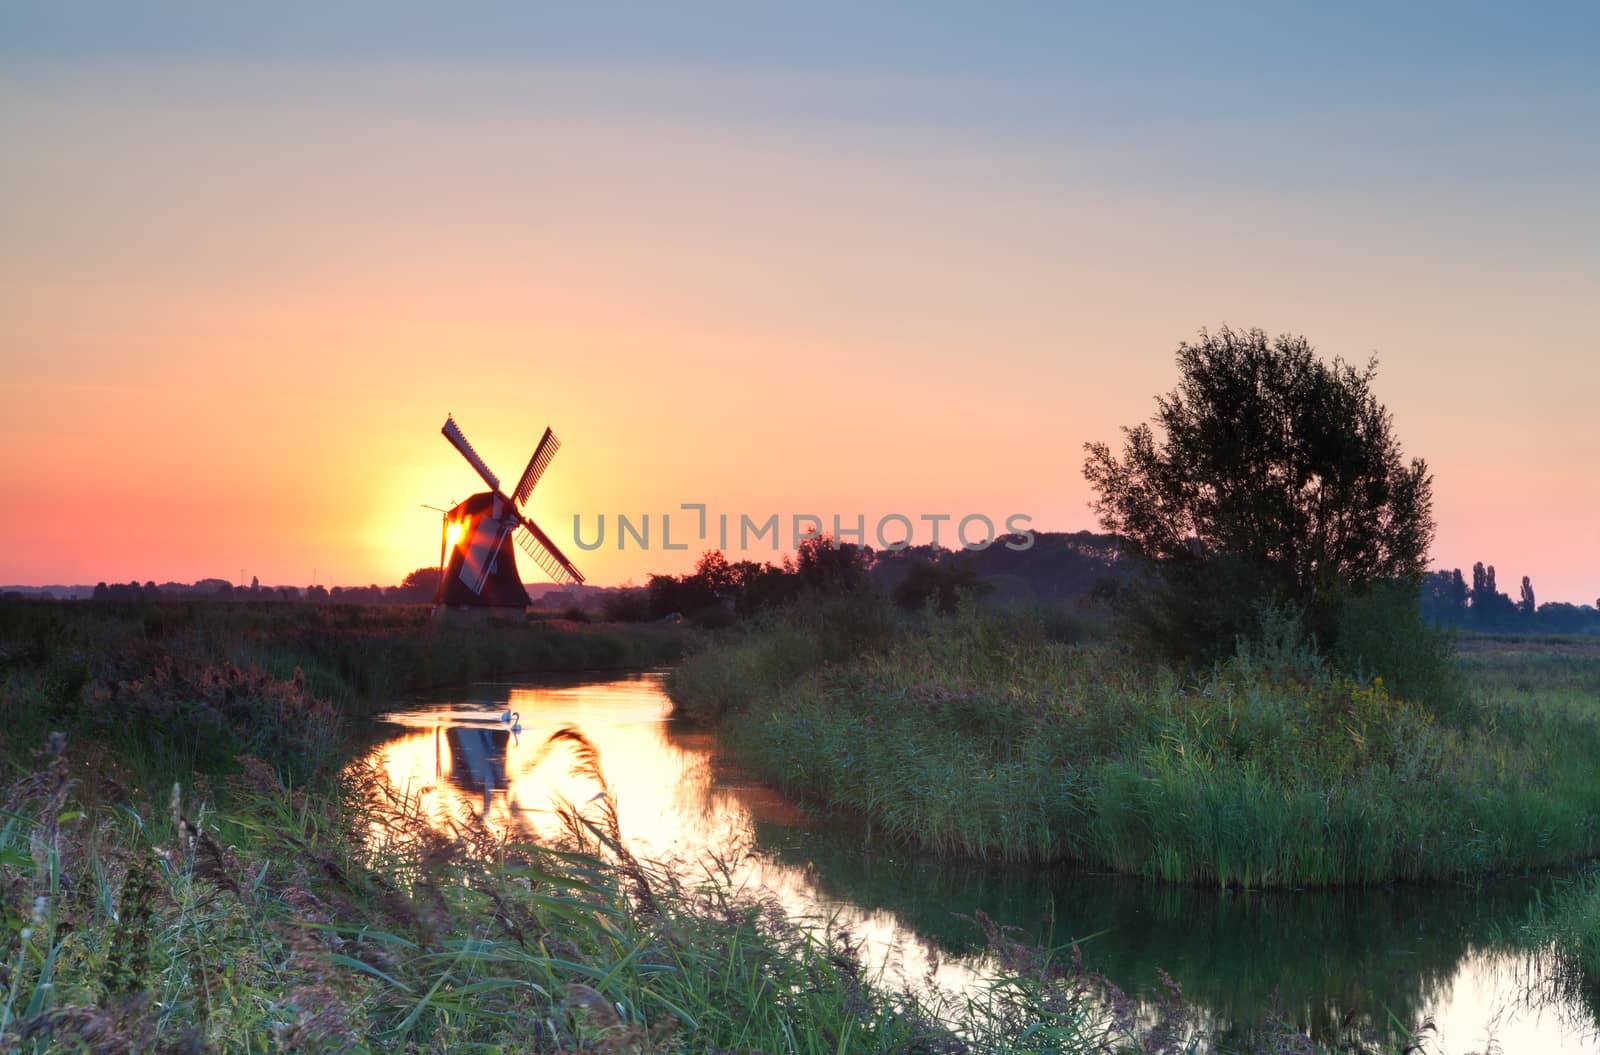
(485, 751)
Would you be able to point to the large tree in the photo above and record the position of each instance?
(1267, 475)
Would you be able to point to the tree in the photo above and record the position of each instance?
(1490, 607)
(712, 573)
(1458, 594)
(1267, 476)
(1482, 583)
(421, 585)
(1529, 606)
(826, 565)
(667, 596)
(943, 585)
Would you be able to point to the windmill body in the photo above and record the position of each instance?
(478, 564)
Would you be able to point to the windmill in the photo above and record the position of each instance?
(477, 566)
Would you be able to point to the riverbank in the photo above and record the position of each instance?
(343, 921)
(235, 911)
(983, 735)
(169, 689)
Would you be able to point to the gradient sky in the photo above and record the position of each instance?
(824, 259)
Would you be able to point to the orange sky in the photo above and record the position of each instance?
(237, 301)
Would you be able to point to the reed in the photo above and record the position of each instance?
(176, 688)
(350, 922)
(977, 735)
(1568, 923)
(239, 912)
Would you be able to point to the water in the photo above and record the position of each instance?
(1370, 960)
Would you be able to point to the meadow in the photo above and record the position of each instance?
(1000, 735)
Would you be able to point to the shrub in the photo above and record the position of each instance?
(627, 605)
(1381, 633)
(941, 585)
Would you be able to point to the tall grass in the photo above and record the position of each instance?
(1569, 923)
(350, 923)
(776, 648)
(240, 913)
(979, 736)
(180, 687)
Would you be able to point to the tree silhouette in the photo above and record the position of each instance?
(943, 585)
(1268, 476)
(1528, 606)
(824, 564)
(420, 585)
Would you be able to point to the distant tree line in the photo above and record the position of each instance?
(416, 588)
(1449, 600)
(1059, 567)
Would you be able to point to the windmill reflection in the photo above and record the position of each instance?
(477, 760)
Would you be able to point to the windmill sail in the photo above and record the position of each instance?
(536, 466)
(452, 432)
(480, 550)
(478, 564)
(545, 553)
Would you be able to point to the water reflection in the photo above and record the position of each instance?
(1334, 963)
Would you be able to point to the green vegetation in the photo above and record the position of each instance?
(1570, 923)
(1269, 479)
(242, 914)
(180, 687)
(978, 735)
(776, 650)
(344, 922)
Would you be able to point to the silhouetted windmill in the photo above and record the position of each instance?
(478, 567)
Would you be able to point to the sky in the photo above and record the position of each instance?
(825, 258)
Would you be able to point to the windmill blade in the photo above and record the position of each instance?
(481, 549)
(536, 466)
(452, 432)
(545, 553)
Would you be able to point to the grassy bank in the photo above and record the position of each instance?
(172, 688)
(158, 894)
(344, 922)
(342, 919)
(980, 735)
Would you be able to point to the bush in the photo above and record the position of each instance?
(716, 616)
(627, 605)
(1381, 633)
(941, 585)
